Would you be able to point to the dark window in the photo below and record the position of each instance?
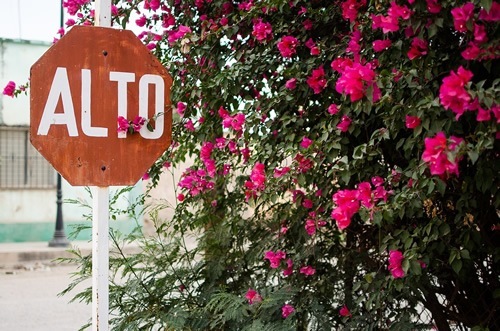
(21, 166)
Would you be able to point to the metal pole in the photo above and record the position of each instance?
(100, 220)
(59, 239)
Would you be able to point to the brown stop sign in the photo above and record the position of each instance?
(79, 89)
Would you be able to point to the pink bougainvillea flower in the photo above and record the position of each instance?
(493, 15)
(433, 6)
(123, 124)
(441, 154)
(310, 226)
(496, 111)
(307, 270)
(154, 5)
(70, 22)
(206, 150)
(307, 24)
(287, 46)
(287, 310)
(472, 51)
(452, 93)
(181, 107)
(262, 31)
(377, 181)
(258, 176)
(180, 197)
(275, 258)
(235, 122)
(418, 48)
(175, 35)
(344, 311)
(386, 23)
(355, 80)
(347, 205)
(138, 123)
(350, 9)
(141, 21)
(353, 45)
(381, 45)
(412, 121)
(9, 89)
(480, 35)
(281, 172)
(461, 15)
(73, 6)
(289, 269)
(483, 115)
(307, 203)
(333, 109)
(314, 50)
(189, 125)
(395, 264)
(146, 176)
(344, 124)
(364, 194)
(195, 181)
(246, 5)
(397, 11)
(317, 80)
(291, 83)
(306, 142)
(253, 296)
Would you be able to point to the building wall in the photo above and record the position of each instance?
(28, 213)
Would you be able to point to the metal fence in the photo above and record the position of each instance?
(21, 166)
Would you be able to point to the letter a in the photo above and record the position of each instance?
(59, 89)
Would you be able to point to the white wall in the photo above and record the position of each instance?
(16, 58)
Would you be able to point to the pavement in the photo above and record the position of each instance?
(30, 283)
(12, 254)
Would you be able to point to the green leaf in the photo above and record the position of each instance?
(457, 266)
(486, 4)
(415, 268)
(473, 156)
(441, 186)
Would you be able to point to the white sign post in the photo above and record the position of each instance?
(99, 75)
(100, 220)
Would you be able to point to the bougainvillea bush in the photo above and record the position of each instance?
(344, 166)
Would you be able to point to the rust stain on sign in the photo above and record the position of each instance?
(79, 87)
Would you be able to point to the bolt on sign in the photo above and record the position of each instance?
(79, 89)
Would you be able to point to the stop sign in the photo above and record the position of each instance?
(81, 87)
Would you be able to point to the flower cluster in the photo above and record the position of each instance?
(356, 79)
(257, 181)
(441, 154)
(196, 181)
(348, 202)
(253, 296)
(395, 264)
(287, 46)
(262, 31)
(275, 258)
(235, 122)
(317, 81)
(126, 126)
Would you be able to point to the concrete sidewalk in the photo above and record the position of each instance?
(30, 252)
(12, 254)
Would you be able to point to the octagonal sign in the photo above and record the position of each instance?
(80, 88)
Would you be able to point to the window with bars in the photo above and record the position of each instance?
(21, 166)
